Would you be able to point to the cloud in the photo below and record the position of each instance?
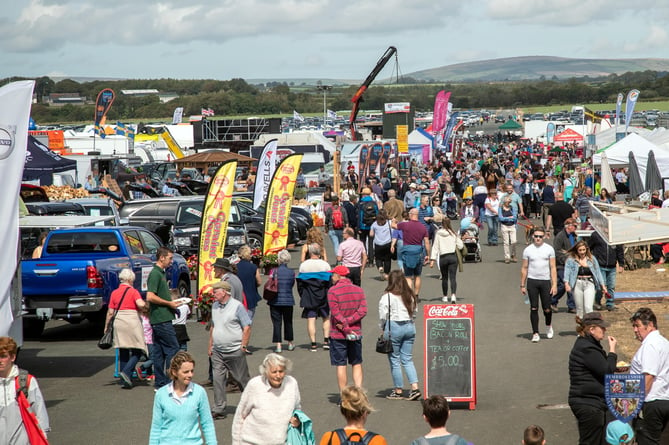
(566, 13)
(52, 24)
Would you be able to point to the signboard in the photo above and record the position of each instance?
(624, 395)
(450, 356)
(402, 138)
(397, 107)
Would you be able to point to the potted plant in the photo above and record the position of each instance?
(192, 263)
(269, 262)
(256, 256)
(203, 307)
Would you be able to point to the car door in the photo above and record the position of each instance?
(140, 260)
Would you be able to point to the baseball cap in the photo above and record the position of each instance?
(618, 432)
(595, 319)
(222, 285)
(340, 270)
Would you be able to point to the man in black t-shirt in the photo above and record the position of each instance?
(558, 213)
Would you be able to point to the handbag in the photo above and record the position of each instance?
(271, 289)
(35, 434)
(385, 345)
(107, 339)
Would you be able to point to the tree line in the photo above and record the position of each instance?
(236, 97)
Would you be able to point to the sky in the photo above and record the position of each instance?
(314, 39)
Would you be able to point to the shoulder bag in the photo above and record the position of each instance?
(385, 345)
(271, 289)
(107, 339)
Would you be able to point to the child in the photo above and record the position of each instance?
(534, 435)
(619, 433)
(179, 323)
(146, 368)
(436, 412)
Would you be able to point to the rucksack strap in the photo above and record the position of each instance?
(22, 382)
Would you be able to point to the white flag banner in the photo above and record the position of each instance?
(266, 167)
(297, 116)
(15, 101)
(178, 115)
(332, 114)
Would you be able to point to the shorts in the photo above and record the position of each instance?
(345, 351)
(413, 271)
(315, 312)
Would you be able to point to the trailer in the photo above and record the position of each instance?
(631, 226)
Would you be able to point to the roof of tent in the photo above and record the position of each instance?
(40, 161)
(420, 136)
(618, 154)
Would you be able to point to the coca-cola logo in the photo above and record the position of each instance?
(450, 310)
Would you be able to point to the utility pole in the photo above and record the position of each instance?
(324, 89)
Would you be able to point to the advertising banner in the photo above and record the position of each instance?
(102, 105)
(632, 97)
(15, 100)
(402, 138)
(279, 203)
(440, 112)
(397, 107)
(214, 225)
(266, 167)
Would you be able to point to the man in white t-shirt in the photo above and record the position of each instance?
(538, 279)
(651, 360)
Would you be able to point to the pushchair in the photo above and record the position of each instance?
(469, 232)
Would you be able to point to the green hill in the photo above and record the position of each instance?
(534, 67)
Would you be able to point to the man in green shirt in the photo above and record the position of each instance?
(161, 314)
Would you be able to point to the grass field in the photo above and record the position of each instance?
(640, 106)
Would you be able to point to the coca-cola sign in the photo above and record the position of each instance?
(447, 310)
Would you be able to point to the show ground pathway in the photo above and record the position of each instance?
(515, 377)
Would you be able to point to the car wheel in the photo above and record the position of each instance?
(184, 288)
(255, 241)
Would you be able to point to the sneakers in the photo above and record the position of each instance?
(507, 260)
(127, 383)
(535, 338)
(415, 394)
(278, 350)
(314, 347)
(326, 343)
(394, 395)
(571, 310)
(381, 272)
(291, 347)
(514, 259)
(140, 372)
(217, 416)
(549, 331)
(554, 308)
(453, 300)
(444, 299)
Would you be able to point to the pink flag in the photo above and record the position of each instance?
(440, 111)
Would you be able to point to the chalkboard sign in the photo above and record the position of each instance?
(450, 359)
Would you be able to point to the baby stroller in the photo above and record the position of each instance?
(469, 232)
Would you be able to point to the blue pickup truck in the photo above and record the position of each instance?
(78, 270)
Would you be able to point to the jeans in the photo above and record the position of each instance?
(225, 364)
(165, 345)
(609, 274)
(509, 240)
(493, 224)
(402, 335)
(539, 289)
(128, 359)
(561, 291)
(448, 265)
(584, 296)
(398, 249)
(337, 236)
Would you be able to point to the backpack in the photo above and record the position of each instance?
(368, 213)
(23, 382)
(344, 440)
(337, 218)
(385, 182)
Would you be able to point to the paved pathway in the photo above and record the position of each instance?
(515, 376)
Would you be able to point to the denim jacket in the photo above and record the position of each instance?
(571, 271)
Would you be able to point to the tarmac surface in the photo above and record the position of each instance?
(518, 382)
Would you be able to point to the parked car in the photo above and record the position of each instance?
(100, 207)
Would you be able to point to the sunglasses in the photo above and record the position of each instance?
(537, 236)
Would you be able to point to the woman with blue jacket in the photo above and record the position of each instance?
(582, 277)
(508, 217)
(281, 308)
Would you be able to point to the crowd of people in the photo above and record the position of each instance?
(432, 215)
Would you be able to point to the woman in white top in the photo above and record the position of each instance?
(480, 193)
(381, 232)
(492, 216)
(446, 241)
(399, 304)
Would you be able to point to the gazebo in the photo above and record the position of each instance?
(211, 158)
(510, 125)
(568, 135)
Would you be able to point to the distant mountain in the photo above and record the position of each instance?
(533, 67)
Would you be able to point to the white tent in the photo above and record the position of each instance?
(618, 154)
(606, 137)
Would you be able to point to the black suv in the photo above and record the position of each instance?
(184, 213)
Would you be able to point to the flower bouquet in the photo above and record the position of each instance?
(192, 263)
(269, 262)
(256, 256)
(203, 307)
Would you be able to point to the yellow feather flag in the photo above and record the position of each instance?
(214, 225)
(279, 202)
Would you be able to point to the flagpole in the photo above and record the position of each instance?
(324, 89)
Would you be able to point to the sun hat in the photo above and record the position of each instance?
(595, 319)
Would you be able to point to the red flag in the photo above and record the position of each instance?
(440, 111)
